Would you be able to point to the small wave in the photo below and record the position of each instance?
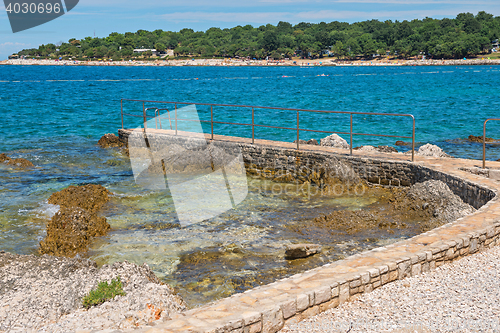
(46, 210)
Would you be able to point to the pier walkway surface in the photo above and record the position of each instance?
(398, 278)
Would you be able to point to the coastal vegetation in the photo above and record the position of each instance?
(103, 293)
(467, 35)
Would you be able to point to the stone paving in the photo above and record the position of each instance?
(268, 308)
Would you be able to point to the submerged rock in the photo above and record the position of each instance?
(402, 143)
(479, 139)
(110, 140)
(73, 227)
(335, 141)
(16, 162)
(296, 251)
(431, 151)
(46, 292)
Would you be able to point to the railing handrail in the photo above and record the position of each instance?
(484, 139)
(298, 129)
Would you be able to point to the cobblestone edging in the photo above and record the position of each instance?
(268, 308)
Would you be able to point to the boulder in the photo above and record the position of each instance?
(335, 141)
(110, 140)
(296, 251)
(431, 151)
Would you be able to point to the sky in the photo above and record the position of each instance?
(101, 17)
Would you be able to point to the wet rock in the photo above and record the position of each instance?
(431, 151)
(16, 162)
(402, 143)
(46, 292)
(479, 139)
(387, 149)
(313, 142)
(4, 158)
(73, 227)
(296, 251)
(110, 140)
(335, 141)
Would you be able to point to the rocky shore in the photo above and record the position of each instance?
(248, 62)
(44, 294)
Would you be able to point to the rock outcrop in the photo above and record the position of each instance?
(423, 206)
(431, 151)
(21, 163)
(334, 141)
(110, 140)
(73, 227)
(479, 139)
(46, 293)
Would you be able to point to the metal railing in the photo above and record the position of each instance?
(484, 139)
(253, 125)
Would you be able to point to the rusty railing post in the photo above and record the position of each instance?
(298, 135)
(175, 118)
(350, 141)
(144, 116)
(253, 127)
(212, 119)
(121, 107)
(413, 141)
(484, 144)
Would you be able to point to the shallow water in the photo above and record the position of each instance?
(54, 116)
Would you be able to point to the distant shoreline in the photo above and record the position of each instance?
(238, 62)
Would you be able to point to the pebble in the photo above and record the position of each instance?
(458, 297)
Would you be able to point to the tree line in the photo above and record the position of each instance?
(464, 36)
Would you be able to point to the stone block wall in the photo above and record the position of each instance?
(284, 164)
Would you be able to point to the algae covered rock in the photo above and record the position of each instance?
(479, 139)
(73, 227)
(110, 140)
(21, 163)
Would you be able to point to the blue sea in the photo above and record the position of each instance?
(54, 116)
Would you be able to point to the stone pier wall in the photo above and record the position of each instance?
(282, 164)
(268, 308)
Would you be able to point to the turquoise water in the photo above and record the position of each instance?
(54, 116)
